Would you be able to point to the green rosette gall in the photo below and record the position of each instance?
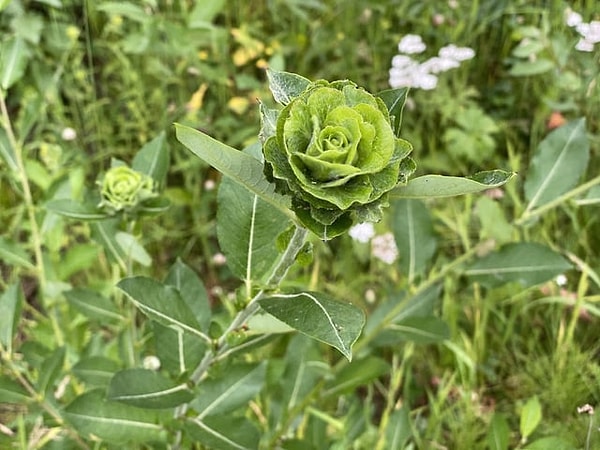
(333, 150)
(124, 189)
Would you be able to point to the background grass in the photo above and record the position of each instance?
(119, 73)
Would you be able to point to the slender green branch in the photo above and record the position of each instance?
(529, 214)
(221, 346)
(36, 237)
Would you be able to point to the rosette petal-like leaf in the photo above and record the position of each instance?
(335, 153)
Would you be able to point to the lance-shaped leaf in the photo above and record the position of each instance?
(147, 389)
(413, 230)
(12, 392)
(96, 370)
(240, 167)
(358, 373)
(11, 302)
(246, 229)
(50, 370)
(394, 100)
(153, 159)
(93, 305)
(223, 432)
(433, 186)
(7, 152)
(421, 330)
(286, 86)
(317, 315)
(104, 232)
(398, 430)
(161, 303)
(192, 291)
(91, 414)
(526, 263)
(74, 210)
(239, 384)
(14, 55)
(558, 163)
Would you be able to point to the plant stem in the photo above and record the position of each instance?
(221, 346)
(36, 237)
(531, 213)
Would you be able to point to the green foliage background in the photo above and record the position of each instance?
(454, 356)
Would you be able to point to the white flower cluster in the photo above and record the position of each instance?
(589, 32)
(408, 72)
(383, 246)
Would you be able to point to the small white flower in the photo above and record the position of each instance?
(151, 363)
(426, 81)
(219, 259)
(363, 232)
(451, 51)
(403, 61)
(561, 280)
(438, 64)
(453, 4)
(572, 18)
(593, 32)
(384, 247)
(370, 296)
(411, 44)
(584, 46)
(209, 185)
(68, 134)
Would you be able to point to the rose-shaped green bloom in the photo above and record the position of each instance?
(123, 188)
(335, 152)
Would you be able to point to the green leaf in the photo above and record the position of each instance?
(550, 442)
(125, 9)
(133, 249)
(558, 163)
(11, 391)
(413, 230)
(522, 262)
(498, 435)
(11, 253)
(240, 167)
(153, 159)
(147, 389)
(7, 152)
(318, 316)
(246, 230)
(531, 416)
(74, 210)
(592, 197)
(205, 12)
(14, 56)
(103, 232)
(50, 370)
(394, 100)
(192, 291)
(421, 330)
(286, 86)
(177, 351)
(223, 433)
(530, 68)
(93, 305)
(398, 430)
(161, 303)
(11, 302)
(235, 388)
(357, 373)
(433, 186)
(493, 221)
(95, 371)
(268, 122)
(76, 258)
(90, 414)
